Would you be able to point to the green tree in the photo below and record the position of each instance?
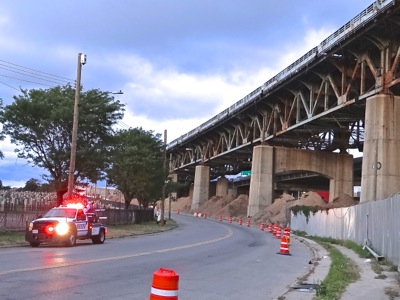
(136, 167)
(39, 122)
(32, 185)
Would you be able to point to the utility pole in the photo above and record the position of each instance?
(164, 171)
(81, 62)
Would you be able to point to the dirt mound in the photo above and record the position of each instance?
(310, 199)
(277, 212)
(344, 200)
(182, 204)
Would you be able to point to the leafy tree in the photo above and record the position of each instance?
(39, 122)
(137, 166)
(32, 185)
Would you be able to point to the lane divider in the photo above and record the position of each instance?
(63, 265)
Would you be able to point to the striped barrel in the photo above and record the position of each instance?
(165, 285)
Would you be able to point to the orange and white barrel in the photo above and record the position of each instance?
(284, 249)
(165, 285)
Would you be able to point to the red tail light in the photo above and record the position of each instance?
(50, 229)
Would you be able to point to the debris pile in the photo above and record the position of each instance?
(277, 212)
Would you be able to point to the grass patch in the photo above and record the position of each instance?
(139, 229)
(342, 272)
(11, 238)
(15, 238)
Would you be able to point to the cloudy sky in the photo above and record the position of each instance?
(178, 62)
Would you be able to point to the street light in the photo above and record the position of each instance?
(81, 62)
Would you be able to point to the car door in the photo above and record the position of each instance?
(82, 225)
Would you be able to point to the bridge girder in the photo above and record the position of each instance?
(318, 106)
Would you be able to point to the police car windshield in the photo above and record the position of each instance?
(61, 213)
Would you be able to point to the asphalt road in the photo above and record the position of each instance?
(214, 260)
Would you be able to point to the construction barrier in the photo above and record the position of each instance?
(269, 227)
(286, 231)
(275, 229)
(240, 221)
(220, 218)
(205, 216)
(230, 219)
(284, 249)
(165, 285)
(248, 223)
(262, 226)
(278, 232)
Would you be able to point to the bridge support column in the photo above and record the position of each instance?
(201, 186)
(262, 179)
(381, 163)
(222, 187)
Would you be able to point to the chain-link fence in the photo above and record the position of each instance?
(17, 209)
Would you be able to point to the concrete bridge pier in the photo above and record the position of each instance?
(262, 179)
(201, 186)
(268, 161)
(222, 187)
(381, 162)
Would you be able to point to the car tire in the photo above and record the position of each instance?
(100, 238)
(34, 244)
(71, 241)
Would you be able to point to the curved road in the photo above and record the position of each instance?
(214, 260)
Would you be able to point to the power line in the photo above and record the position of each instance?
(30, 75)
(41, 72)
(34, 75)
(20, 79)
(9, 86)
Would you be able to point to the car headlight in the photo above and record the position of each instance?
(62, 228)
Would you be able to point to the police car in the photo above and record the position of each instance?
(65, 225)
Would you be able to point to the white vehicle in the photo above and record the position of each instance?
(66, 225)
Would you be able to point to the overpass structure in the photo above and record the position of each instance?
(343, 94)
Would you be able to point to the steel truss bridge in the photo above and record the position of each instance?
(317, 103)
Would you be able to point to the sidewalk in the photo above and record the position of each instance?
(304, 289)
(368, 287)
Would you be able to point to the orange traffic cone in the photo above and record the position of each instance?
(165, 285)
(284, 250)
